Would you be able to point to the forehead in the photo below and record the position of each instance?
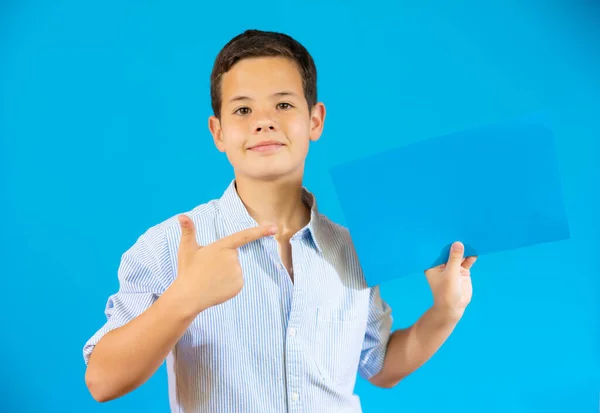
(261, 76)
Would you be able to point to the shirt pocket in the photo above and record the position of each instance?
(338, 343)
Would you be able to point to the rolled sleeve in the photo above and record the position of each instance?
(141, 282)
(377, 336)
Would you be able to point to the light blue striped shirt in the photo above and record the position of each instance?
(278, 346)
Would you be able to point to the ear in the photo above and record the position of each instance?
(317, 120)
(214, 125)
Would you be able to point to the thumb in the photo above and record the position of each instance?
(188, 234)
(456, 254)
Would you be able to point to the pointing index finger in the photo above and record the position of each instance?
(246, 236)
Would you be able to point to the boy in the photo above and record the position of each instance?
(256, 300)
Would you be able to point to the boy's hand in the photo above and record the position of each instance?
(210, 275)
(451, 283)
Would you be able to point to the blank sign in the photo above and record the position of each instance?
(494, 188)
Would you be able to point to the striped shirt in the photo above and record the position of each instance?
(279, 345)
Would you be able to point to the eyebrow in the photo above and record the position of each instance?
(278, 94)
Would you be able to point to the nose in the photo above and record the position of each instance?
(265, 125)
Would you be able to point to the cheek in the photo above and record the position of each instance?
(234, 137)
(298, 131)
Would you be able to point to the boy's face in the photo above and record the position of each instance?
(265, 125)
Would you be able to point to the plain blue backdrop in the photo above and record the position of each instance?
(103, 133)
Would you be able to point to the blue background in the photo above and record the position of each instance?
(103, 133)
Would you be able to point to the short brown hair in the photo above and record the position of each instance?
(257, 43)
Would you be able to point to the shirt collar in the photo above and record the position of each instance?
(234, 209)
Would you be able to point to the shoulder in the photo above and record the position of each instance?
(336, 241)
(152, 257)
(333, 232)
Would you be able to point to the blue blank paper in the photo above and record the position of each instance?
(494, 188)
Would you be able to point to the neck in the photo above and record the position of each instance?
(277, 202)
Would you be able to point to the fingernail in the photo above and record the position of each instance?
(456, 246)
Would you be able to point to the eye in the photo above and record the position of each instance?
(284, 106)
(242, 111)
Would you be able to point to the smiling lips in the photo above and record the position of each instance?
(266, 146)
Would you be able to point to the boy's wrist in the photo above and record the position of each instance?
(447, 315)
(181, 302)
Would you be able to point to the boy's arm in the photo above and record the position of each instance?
(126, 357)
(146, 320)
(408, 349)
(140, 327)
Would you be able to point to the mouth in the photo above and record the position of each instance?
(266, 146)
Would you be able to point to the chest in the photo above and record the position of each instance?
(273, 320)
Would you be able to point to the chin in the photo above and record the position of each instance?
(271, 174)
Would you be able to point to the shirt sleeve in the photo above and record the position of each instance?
(379, 324)
(141, 277)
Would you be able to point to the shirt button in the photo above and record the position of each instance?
(292, 332)
(295, 396)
